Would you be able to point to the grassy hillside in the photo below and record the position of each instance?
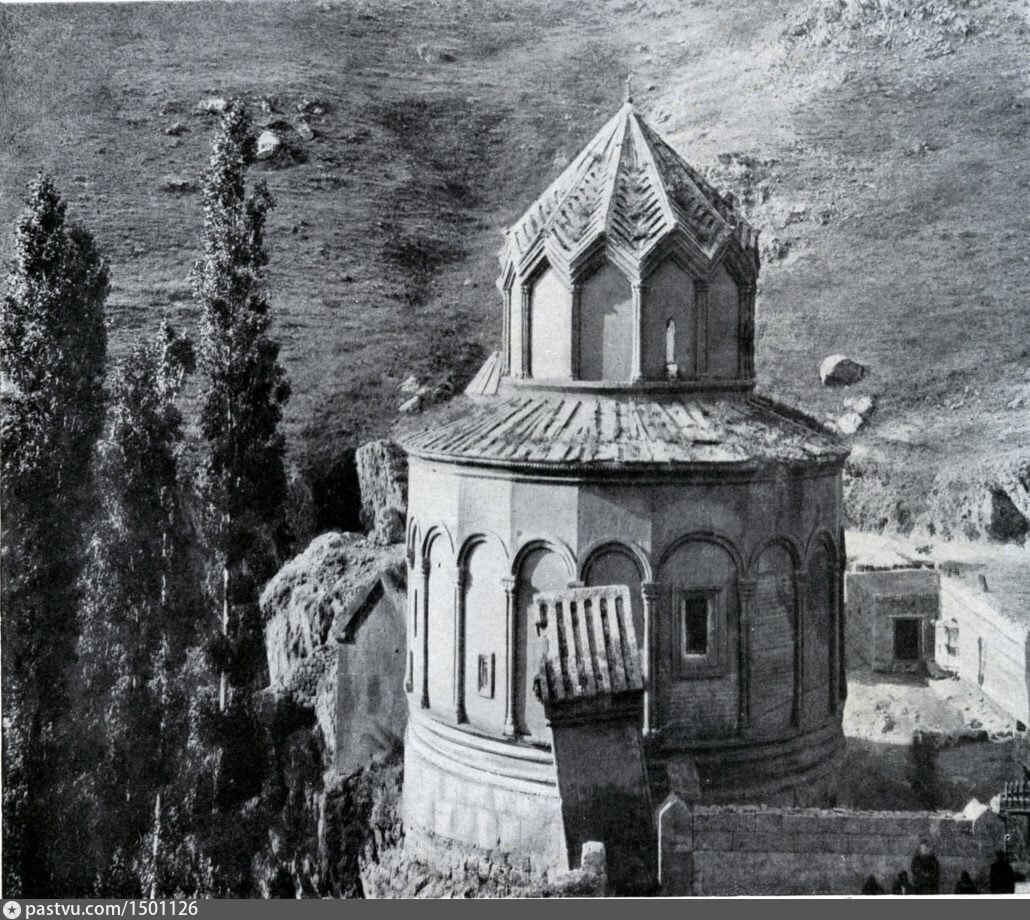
(881, 145)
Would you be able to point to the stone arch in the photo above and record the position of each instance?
(614, 562)
(481, 679)
(774, 639)
(706, 536)
(539, 565)
(784, 542)
(699, 693)
(412, 541)
(631, 550)
(531, 543)
(819, 625)
(437, 531)
(474, 540)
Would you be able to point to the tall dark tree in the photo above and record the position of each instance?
(137, 618)
(54, 344)
(243, 478)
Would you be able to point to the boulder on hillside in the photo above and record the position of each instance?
(308, 606)
(268, 145)
(178, 185)
(383, 477)
(840, 371)
(212, 105)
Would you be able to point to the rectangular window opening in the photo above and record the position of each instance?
(696, 622)
(906, 639)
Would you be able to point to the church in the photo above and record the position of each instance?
(615, 514)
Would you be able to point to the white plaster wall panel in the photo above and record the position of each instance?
(606, 326)
(433, 495)
(669, 295)
(544, 509)
(441, 627)
(722, 325)
(484, 505)
(485, 629)
(772, 642)
(551, 327)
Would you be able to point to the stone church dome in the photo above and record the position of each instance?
(612, 463)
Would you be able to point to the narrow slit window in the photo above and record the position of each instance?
(670, 342)
(696, 623)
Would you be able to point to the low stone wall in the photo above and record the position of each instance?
(735, 850)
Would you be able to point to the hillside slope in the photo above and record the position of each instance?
(879, 144)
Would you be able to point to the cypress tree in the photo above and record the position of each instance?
(54, 343)
(245, 389)
(137, 616)
(243, 489)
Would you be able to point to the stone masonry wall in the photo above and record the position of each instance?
(732, 850)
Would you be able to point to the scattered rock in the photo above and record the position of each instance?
(308, 106)
(304, 130)
(840, 371)
(382, 469)
(212, 105)
(269, 144)
(850, 422)
(176, 128)
(796, 215)
(171, 107)
(410, 385)
(178, 185)
(863, 405)
(411, 406)
(775, 250)
(888, 725)
(1016, 403)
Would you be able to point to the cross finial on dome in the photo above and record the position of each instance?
(629, 89)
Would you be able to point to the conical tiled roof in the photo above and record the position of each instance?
(630, 191)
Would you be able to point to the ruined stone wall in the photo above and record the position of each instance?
(732, 850)
(994, 651)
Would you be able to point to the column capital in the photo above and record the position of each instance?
(650, 590)
(701, 284)
(461, 578)
(746, 588)
(427, 567)
(508, 583)
(800, 576)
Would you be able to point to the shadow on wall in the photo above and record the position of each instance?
(906, 777)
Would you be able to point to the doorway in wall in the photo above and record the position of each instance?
(906, 640)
